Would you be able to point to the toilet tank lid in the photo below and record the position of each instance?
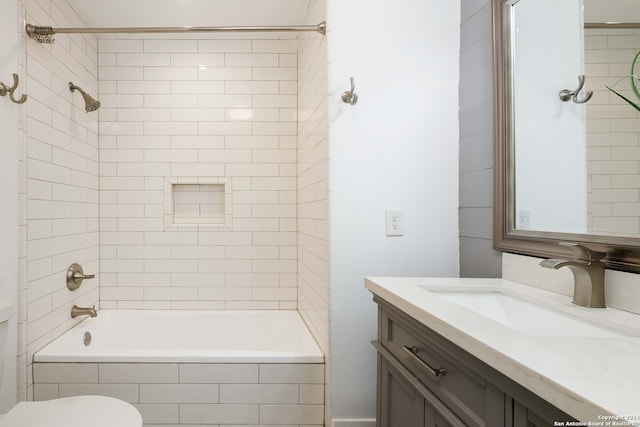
(6, 310)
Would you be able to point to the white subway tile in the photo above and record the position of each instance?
(224, 294)
(259, 393)
(274, 46)
(170, 46)
(170, 128)
(219, 414)
(195, 373)
(120, 73)
(251, 87)
(291, 373)
(121, 101)
(65, 372)
(197, 114)
(169, 73)
(224, 73)
(275, 73)
(143, 59)
(126, 392)
(128, 373)
(200, 60)
(128, 293)
(251, 60)
(292, 414)
(171, 101)
(179, 393)
(168, 293)
(224, 101)
(120, 46)
(224, 46)
(197, 87)
(159, 413)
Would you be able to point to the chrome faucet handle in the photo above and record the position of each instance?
(75, 276)
(583, 253)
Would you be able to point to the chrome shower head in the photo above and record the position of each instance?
(90, 103)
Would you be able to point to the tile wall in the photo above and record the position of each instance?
(613, 133)
(59, 183)
(196, 111)
(177, 394)
(313, 268)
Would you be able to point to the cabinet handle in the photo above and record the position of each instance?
(413, 352)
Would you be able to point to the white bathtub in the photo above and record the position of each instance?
(181, 336)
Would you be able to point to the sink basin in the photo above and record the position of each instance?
(524, 316)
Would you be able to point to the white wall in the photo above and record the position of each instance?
(397, 148)
(10, 49)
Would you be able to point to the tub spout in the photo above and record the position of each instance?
(80, 311)
(588, 272)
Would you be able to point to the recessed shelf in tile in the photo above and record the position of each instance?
(197, 202)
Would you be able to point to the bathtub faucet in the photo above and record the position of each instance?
(80, 311)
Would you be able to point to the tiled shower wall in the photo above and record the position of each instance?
(182, 112)
(59, 184)
(313, 268)
(613, 133)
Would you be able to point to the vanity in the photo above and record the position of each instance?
(491, 352)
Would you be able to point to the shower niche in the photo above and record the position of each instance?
(197, 203)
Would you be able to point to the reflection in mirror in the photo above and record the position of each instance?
(577, 165)
(567, 160)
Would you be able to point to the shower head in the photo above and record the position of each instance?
(90, 103)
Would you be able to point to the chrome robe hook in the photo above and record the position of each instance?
(350, 96)
(4, 90)
(566, 95)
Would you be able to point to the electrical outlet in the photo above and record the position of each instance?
(394, 222)
(524, 219)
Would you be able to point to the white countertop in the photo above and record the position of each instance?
(588, 378)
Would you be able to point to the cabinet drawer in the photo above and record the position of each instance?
(404, 401)
(448, 377)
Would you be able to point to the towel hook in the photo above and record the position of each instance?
(4, 90)
(566, 95)
(350, 96)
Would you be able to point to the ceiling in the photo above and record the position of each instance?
(165, 13)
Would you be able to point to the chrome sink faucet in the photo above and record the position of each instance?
(80, 311)
(588, 271)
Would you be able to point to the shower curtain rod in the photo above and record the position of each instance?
(43, 34)
(611, 25)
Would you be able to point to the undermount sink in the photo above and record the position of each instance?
(531, 318)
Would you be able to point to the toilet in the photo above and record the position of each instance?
(76, 411)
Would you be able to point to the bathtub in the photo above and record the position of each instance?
(253, 368)
(154, 336)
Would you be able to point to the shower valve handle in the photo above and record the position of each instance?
(75, 276)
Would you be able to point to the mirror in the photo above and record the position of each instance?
(567, 163)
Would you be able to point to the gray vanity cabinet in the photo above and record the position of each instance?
(408, 404)
(426, 380)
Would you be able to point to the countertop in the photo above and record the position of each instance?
(592, 379)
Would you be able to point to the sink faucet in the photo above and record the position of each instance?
(79, 311)
(588, 271)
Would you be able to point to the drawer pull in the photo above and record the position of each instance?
(413, 351)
